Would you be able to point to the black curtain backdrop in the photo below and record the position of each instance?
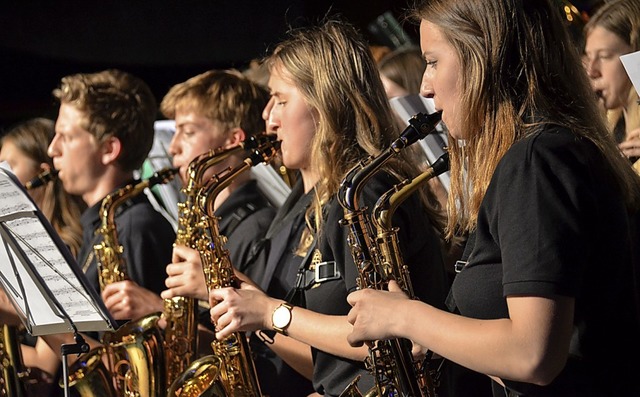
(163, 42)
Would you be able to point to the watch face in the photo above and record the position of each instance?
(281, 317)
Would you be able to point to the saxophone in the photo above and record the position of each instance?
(180, 333)
(230, 370)
(133, 353)
(13, 372)
(389, 361)
(391, 265)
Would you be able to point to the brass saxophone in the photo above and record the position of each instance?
(230, 370)
(180, 333)
(391, 265)
(389, 361)
(13, 372)
(135, 365)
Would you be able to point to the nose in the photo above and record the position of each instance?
(270, 116)
(174, 147)
(426, 87)
(592, 66)
(52, 150)
(267, 109)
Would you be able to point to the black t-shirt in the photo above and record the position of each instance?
(145, 235)
(275, 270)
(420, 247)
(553, 223)
(245, 217)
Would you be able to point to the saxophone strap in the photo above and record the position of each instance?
(459, 265)
(295, 296)
(321, 272)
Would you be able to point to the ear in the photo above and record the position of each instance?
(236, 136)
(110, 150)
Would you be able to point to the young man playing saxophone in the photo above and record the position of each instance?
(103, 133)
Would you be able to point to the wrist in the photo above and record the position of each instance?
(281, 318)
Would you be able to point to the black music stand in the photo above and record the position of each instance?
(40, 276)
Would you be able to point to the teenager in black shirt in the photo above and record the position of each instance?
(547, 299)
(330, 110)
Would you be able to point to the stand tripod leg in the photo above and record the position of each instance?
(71, 348)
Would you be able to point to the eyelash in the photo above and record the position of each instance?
(431, 63)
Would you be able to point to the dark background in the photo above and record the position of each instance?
(163, 42)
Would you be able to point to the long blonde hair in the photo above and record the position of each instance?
(622, 18)
(335, 72)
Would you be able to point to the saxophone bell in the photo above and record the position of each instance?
(42, 179)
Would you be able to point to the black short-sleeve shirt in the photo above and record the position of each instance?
(553, 223)
(421, 251)
(145, 235)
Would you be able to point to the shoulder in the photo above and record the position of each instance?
(550, 142)
(142, 218)
(552, 149)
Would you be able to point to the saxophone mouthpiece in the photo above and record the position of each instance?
(163, 176)
(441, 165)
(42, 179)
(420, 125)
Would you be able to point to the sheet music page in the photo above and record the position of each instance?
(631, 63)
(24, 234)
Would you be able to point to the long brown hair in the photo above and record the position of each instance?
(63, 210)
(519, 71)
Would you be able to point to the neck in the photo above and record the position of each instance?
(106, 184)
(309, 179)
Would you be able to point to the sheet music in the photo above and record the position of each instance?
(631, 63)
(36, 269)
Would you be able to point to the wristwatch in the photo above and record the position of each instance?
(281, 318)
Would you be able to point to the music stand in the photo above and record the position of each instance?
(41, 277)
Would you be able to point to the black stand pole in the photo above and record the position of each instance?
(71, 348)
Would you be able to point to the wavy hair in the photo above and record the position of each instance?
(114, 103)
(334, 70)
(223, 96)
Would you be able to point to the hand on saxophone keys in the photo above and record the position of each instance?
(185, 276)
(240, 309)
(368, 307)
(126, 300)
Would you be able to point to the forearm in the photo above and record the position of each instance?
(296, 354)
(506, 348)
(324, 332)
(55, 342)
(41, 356)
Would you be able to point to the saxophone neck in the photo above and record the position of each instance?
(388, 203)
(420, 125)
(208, 194)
